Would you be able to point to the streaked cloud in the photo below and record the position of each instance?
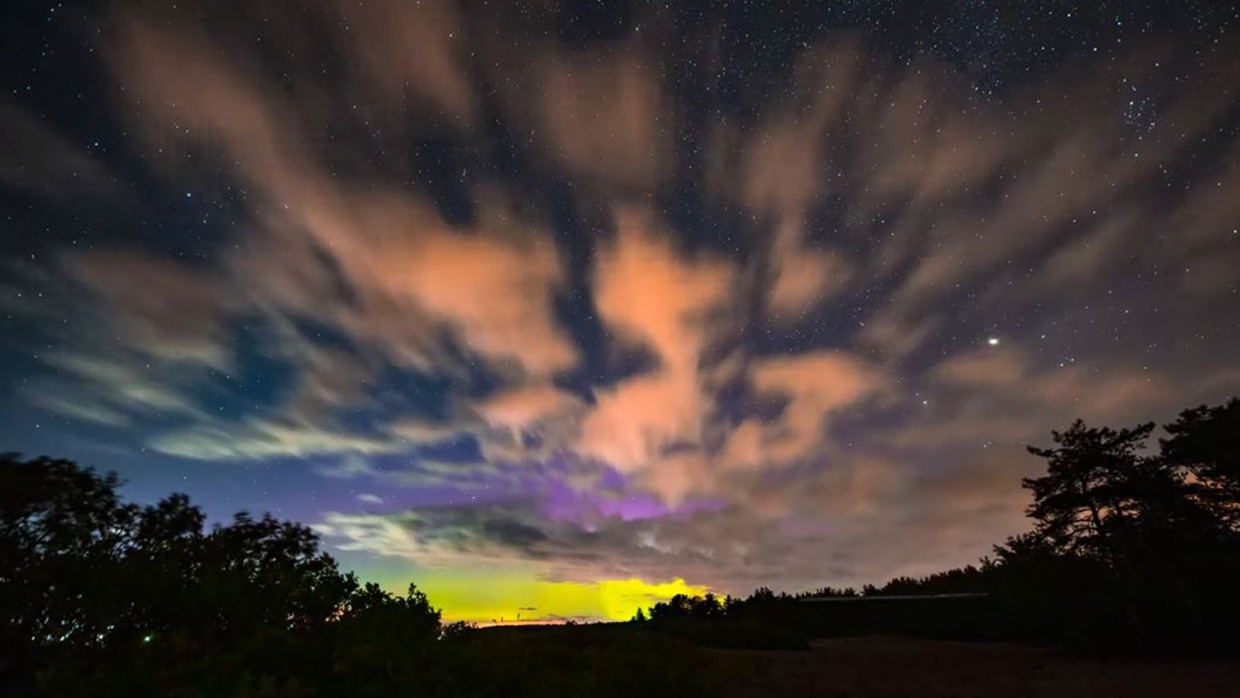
(533, 309)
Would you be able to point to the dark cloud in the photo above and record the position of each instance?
(512, 534)
(37, 160)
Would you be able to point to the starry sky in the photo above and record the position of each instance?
(558, 309)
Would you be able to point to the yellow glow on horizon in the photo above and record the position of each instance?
(487, 598)
(504, 590)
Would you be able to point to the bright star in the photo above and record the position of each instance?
(993, 341)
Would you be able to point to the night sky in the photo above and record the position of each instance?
(559, 309)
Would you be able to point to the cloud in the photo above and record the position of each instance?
(527, 406)
(443, 242)
(492, 286)
(264, 438)
(785, 170)
(980, 408)
(644, 289)
(853, 523)
(600, 113)
(814, 386)
(421, 49)
(110, 387)
(161, 307)
(805, 279)
(36, 159)
(1105, 394)
(369, 533)
(87, 409)
(498, 293)
(985, 368)
(646, 293)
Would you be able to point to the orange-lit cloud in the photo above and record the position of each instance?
(814, 385)
(648, 294)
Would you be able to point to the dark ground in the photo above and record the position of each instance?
(868, 667)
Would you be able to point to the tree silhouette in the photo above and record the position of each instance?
(1090, 494)
(1206, 442)
(1105, 498)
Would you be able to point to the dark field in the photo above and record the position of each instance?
(889, 667)
(619, 660)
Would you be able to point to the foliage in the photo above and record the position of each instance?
(1205, 442)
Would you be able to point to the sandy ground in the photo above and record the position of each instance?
(892, 667)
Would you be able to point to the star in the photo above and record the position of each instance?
(993, 341)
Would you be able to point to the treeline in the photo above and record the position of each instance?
(1132, 548)
(106, 598)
